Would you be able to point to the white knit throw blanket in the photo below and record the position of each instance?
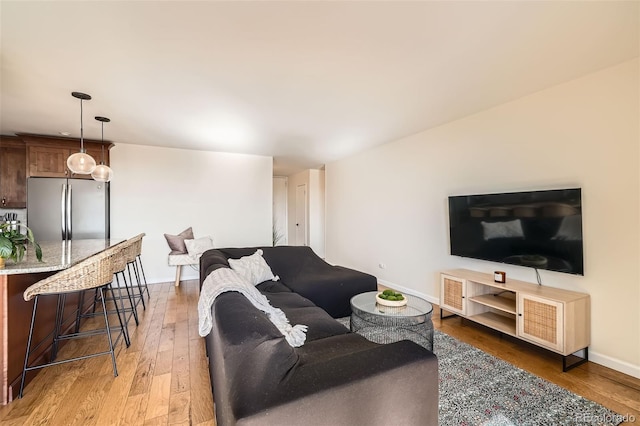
(226, 279)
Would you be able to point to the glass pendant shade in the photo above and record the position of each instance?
(81, 163)
(102, 173)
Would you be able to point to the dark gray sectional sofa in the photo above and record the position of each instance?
(335, 378)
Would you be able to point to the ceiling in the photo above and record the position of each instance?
(304, 82)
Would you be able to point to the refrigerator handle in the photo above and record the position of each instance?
(63, 209)
(69, 230)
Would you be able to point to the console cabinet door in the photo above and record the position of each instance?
(453, 294)
(541, 321)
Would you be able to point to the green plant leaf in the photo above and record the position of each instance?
(38, 251)
(5, 247)
(19, 254)
(13, 244)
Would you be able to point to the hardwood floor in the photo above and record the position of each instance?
(163, 376)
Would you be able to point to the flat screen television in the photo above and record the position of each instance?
(538, 229)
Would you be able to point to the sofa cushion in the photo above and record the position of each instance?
(288, 300)
(319, 323)
(322, 350)
(331, 288)
(273, 287)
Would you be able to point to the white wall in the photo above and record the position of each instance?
(389, 204)
(164, 190)
(280, 224)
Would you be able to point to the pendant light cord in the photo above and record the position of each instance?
(81, 129)
(102, 145)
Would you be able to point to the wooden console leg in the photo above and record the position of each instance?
(178, 268)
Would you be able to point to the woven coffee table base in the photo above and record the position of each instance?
(381, 329)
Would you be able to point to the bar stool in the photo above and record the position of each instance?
(94, 272)
(79, 311)
(119, 267)
(108, 269)
(127, 255)
(138, 260)
(133, 251)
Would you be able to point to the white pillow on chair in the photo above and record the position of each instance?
(254, 268)
(197, 246)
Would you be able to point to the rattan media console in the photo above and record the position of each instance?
(553, 318)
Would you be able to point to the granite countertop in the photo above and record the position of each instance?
(57, 255)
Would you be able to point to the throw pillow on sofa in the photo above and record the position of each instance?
(254, 268)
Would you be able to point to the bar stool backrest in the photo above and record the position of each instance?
(81, 276)
(105, 266)
(134, 248)
(138, 244)
(119, 261)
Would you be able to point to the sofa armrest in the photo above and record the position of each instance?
(210, 261)
(388, 384)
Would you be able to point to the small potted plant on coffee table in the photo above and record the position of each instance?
(13, 243)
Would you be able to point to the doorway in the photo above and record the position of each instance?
(301, 216)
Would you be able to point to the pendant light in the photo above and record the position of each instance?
(81, 163)
(102, 172)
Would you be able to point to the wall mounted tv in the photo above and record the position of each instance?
(539, 229)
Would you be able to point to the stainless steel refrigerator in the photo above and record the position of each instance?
(67, 209)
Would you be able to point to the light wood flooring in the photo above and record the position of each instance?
(163, 377)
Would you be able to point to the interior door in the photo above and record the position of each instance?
(301, 215)
(280, 211)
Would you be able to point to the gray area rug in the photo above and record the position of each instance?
(479, 389)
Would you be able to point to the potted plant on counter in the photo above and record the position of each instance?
(13, 243)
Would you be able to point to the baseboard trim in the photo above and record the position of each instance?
(187, 274)
(614, 364)
(410, 291)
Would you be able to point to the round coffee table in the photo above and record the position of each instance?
(384, 324)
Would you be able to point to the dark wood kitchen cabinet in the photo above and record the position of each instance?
(27, 155)
(48, 161)
(47, 155)
(13, 173)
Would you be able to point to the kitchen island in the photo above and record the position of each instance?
(16, 313)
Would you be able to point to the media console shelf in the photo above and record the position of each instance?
(553, 318)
